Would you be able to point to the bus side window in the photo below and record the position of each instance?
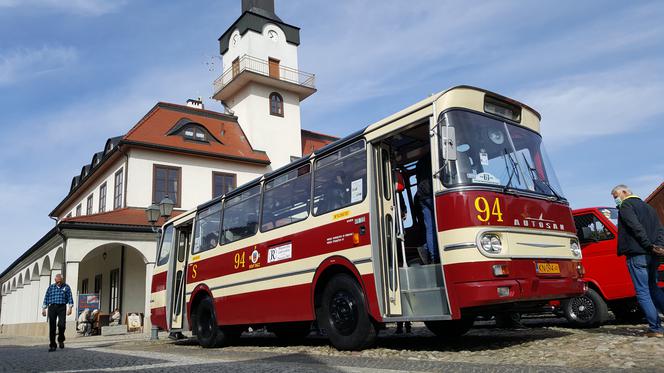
(241, 215)
(206, 235)
(340, 179)
(166, 246)
(286, 198)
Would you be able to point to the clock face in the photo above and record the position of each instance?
(272, 35)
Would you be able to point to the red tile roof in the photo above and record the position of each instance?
(154, 127)
(312, 141)
(124, 216)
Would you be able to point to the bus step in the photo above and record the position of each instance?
(424, 302)
(421, 277)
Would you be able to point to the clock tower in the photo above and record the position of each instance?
(261, 83)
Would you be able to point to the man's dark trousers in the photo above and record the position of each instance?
(56, 311)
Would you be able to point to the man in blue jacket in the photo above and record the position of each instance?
(639, 231)
(57, 299)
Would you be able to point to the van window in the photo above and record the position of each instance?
(286, 198)
(241, 215)
(340, 179)
(206, 233)
(598, 232)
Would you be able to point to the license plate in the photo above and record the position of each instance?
(547, 268)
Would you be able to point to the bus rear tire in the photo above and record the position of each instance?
(587, 311)
(344, 316)
(208, 333)
(450, 329)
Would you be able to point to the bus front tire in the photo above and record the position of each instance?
(450, 329)
(344, 316)
(587, 311)
(208, 333)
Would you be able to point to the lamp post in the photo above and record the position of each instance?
(154, 212)
(163, 209)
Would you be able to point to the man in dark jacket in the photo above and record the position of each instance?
(639, 229)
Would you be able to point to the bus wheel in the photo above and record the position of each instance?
(344, 316)
(450, 328)
(291, 332)
(208, 332)
(586, 311)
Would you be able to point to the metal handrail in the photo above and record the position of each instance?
(256, 65)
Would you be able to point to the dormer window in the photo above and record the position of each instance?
(195, 133)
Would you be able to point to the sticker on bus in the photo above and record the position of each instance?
(281, 252)
(487, 178)
(356, 191)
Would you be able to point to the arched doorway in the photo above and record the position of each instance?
(116, 273)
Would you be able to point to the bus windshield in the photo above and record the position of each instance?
(492, 152)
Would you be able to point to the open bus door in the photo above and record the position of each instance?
(183, 238)
(388, 218)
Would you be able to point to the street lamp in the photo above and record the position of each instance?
(163, 209)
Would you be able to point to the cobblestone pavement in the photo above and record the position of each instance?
(546, 345)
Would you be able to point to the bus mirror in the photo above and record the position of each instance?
(448, 143)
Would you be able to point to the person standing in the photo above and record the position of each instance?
(57, 300)
(639, 231)
(424, 202)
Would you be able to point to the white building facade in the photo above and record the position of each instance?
(102, 242)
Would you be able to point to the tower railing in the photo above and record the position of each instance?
(256, 65)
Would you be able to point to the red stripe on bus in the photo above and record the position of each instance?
(158, 317)
(326, 239)
(159, 282)
(482, 208)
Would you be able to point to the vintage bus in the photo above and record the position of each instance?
(338, 237)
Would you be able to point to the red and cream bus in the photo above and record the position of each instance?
(336, 237)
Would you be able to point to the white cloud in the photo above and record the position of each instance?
(80, 7)
(26, 63)
(614, 101)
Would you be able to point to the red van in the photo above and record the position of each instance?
(609, 284)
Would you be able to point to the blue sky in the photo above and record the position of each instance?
(73, 73)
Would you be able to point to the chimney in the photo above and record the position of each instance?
(196, 104)
(264, 8)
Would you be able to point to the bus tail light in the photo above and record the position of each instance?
(501, 270)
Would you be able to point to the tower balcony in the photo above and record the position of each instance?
(247, 69)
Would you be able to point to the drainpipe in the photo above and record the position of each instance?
(64, 247)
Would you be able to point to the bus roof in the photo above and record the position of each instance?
(359, 134)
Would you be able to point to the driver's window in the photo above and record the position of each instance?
(166, 246)
(594, 228)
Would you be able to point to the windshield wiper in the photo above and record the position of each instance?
(536, 179)
(514, 171)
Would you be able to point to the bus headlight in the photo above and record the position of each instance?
(575, 248)
(491, 244)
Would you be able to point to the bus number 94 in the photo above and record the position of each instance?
(239, 260)
(486, 210)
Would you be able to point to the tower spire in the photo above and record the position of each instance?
(264, 8)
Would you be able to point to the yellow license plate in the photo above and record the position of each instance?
(548, 268)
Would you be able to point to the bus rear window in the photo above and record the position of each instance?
(340, 179)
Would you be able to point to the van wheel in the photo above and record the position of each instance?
(208, 332)
(291, 332)
(343, 314)
(450, 328)
(586, 311)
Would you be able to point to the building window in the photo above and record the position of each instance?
(98, 286)
(84, 286)
(102, 197)
(115, 290)
(195, 133)
(78, 210)
(276, 104)
(166, 182)
(88, 205)
(222, 183)
(117, 193)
